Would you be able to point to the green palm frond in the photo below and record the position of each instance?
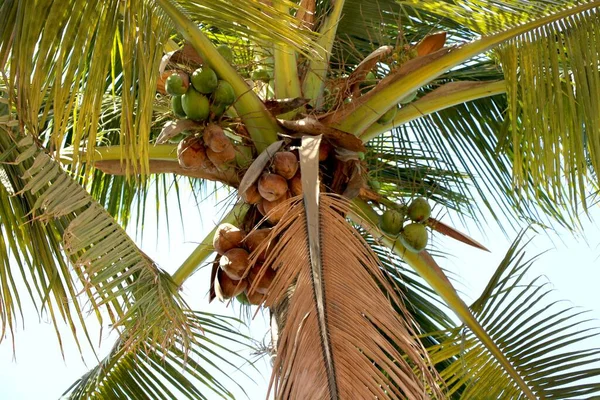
(140, 299)
(535, 333)
(167, 373)
(553, 82)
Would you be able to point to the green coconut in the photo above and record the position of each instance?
(370, 80)
(177, 84)
(419, 210)
(375, 184)
(177, 107)
(226, 52)
(388, 116)
(217, 110)
(391, 222)
(224, 93)
(195, 105)
(243, 299)
(204, 80)
(414, 237)
(261, 74)
(409, 97)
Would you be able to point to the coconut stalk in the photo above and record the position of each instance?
(427, 268)
(313, 83)
(205, 248)
(285, 68)
(446, 96)
(258, 120)
(357, 116)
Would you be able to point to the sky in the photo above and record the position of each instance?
(39, 372)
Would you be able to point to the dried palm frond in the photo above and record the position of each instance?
(342, 337)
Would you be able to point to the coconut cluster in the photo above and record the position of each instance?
(234, 278)
(413, 235)
(208, 149)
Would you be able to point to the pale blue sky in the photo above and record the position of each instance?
(40, 373)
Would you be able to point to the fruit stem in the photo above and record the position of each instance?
(205, 248)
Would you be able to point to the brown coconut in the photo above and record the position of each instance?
(227, 237)
(260, 285)
(295, 184)
(235, 263)
(260, 207)
(269, 206)
(324, 151)
(191, 154)
(226, 288)
(252, 196)
(255, 298)
(272, 186)
(223, 158)
(285, 164)
(215, 138)
(254, 239)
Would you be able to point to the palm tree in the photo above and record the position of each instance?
(333, 119)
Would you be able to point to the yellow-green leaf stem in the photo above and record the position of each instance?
(426, 106)
(285, 70)
(314, 82)
(377, 102)
(442, 286)
(205, 248)
(258, 120)
(110, 153)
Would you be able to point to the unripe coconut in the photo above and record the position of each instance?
(227, 237)
(177, 107)
(285, 164)
(226, 52)
(370, 80)
(375, 184)
(223, 158)
(414, 237)
(388, 116)
(195, 105)
(295, 184)
(217, 110)
(177, 84)
(261, 74)
(260, 285)
(273, 209)
(254, 240)
(204, 80)
(324, 151)
(255, 298)
(419, 210)
(224, 93)
(234, 263)
(243, 299)
(191, 153)
(272, 186)
(391, 222)
(409, 97)
(252, 196)
(226, 288)
(215, 138)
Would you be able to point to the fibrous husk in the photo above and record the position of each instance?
(226, 288)
(260, 206)
(254, 239)
(215, 138)
(295, 184)
(223, 158)
(275, 210)
(260, 278)
(272, 186)
(191, 154)
(285, 164)
(252, 196)
(324, 149)
(234, 263)
(255, 298)
(227, 237)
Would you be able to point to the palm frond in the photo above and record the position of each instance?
(167, 373)
(536, 334)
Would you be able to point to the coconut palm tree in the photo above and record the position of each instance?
(336, 124)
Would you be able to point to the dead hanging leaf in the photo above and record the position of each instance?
(343, 336)
(356, 182)
(173, 128)
(447, 230)
(186, 55)
(256, 168)
(431, 43)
